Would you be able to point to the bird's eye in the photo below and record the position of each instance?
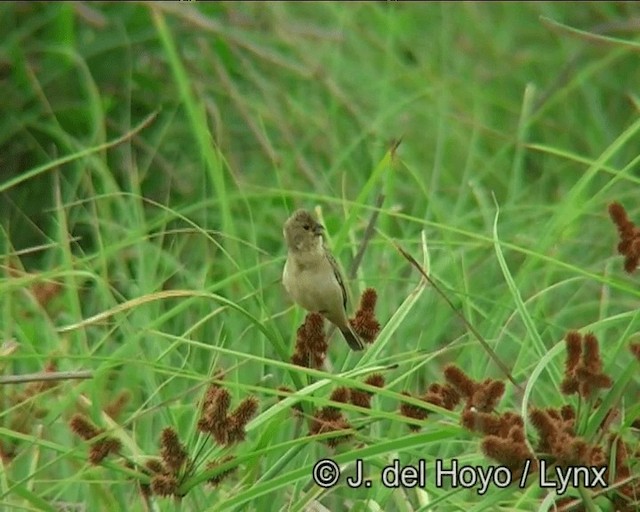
(307, 227)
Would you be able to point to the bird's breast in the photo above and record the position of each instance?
(312, 284)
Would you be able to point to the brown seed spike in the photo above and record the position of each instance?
(360, 398)
(602, 381)
(569, 386)
(377, 379)
(173, 452)
(516, 434)
(591, 353)
(545, 426)
(365, 323)
(221, 404)
(300, 359)
(98, 452)
(450, 397)
(164, 485)
(501, 450)
(629, 244)
(83, 427)
(484, 422)
(103, 447)
(488, 394)
(368, 300)
(336, 426)
(340, 395)
(311, 342)
(330, 420)
(574, 349)
(631, 264)
(245, 411)
(155, 466)
(413, 412)
(568, 412)
(618, 214)
(460, 381)
(235, 432)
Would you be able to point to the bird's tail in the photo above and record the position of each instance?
(352, 338)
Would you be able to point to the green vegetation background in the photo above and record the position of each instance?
(165, 231)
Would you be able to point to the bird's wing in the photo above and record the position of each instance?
(336, 272)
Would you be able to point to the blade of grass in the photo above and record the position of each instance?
(197, 117)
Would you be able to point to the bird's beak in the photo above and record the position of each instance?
(318, 229)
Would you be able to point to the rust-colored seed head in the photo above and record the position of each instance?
(330, 413)
(221, 404)
(220, 431)
(450, 397)
(209, 397)
(368, 300)
(435, 388)
(340, 395)
(155, 466)
(329, 419)
(318, 359)
(101, 448)
(339, 425)
(314, 325)
(230, 430)
(301, 337)
(98, 452)
(246, 410)
(567, 412)
(591, 353)
(601, 381)
(516, 434)
(487, 423)
(432, 398)
(629, 235)
(364, 322)
(83, 427)
(597, 457)
(377, 379)
(235, 432)
(300, 359)
(413, 412)
(460, 381)
(173, 452)
(164, 485)
(487, 395)
(544, 425)
(506, 451)
(618, 214)
(284, 392)
(631, 264)
(569, 386)
(583, 366)
(311, 343)
(360, 398)
(573, 340)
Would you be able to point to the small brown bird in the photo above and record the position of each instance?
(311, 275)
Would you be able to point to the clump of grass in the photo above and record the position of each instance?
(166, 475)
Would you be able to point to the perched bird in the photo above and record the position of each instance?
(311, 275)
